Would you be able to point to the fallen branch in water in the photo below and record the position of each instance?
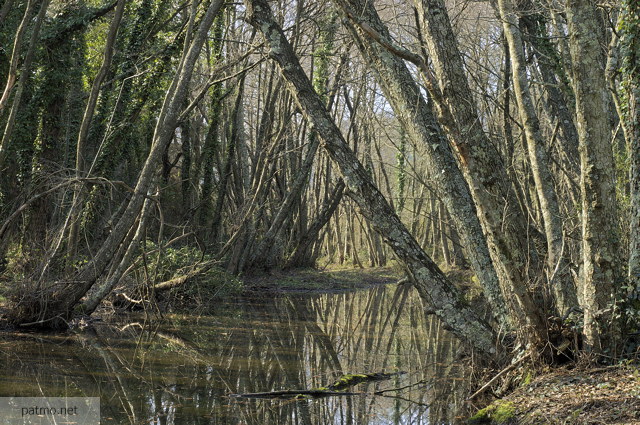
(381, 392)
(294, 393)
(335, 389)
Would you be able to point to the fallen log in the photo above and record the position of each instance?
(337, 388)
(294, 394)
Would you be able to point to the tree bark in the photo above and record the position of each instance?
(506, 246)
(556, 87)
(504, 223)
(597, 291)
(432, 285)
(630, 42)
(558, 268)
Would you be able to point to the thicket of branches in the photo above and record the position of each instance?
(503, 135)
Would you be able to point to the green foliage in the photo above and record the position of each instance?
(527, 378)
(174, 262)
(629, 28)
(498, 413)
(323, 53)
(402, 172)
(16, 263)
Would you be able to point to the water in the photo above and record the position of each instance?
(183, 370)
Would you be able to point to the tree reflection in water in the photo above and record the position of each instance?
(182, 370)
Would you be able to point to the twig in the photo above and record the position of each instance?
(505, 370)
(71, 181)
(381, 392)
(293, 393)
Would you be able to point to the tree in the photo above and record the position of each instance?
(557, 266)
(60, 300)
(630, 47)
(598, 290)
(508, 249)
(431, 283)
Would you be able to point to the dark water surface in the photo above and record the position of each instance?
(183, 370)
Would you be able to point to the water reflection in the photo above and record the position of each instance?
(183, 370)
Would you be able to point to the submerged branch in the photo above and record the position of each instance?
(335, 389)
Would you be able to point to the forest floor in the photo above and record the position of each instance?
(567, 396)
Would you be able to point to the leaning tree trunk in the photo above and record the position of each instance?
(302, 255)
(597, 291)
(504, 223)
(555, 87)
(421, 126)
(432, 285)
(51, 309)
(412, 111)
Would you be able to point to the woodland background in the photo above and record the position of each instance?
(163, 142)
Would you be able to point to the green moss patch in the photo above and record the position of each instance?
(498, 413)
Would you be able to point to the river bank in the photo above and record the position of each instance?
(571, 395)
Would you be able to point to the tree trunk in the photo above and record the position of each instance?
(558, 268)
(597, 291)
(259, 258)
(631, 61)
(24, 77)
(4, 11)
(87, 118)
(506, 246)
(554, 86)
(432, 285)
(302, 255)
(15, 55)
(225, 175)
(60, 303)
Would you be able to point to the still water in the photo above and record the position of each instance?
(184, 369)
